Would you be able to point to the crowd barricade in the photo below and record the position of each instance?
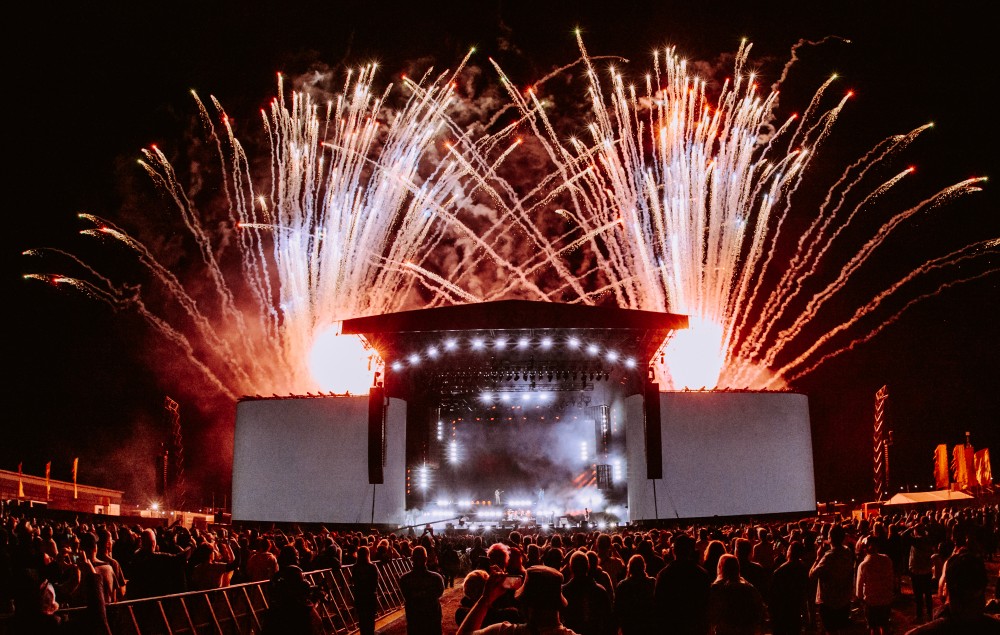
(238, 609)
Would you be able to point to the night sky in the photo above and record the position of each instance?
(89, 85)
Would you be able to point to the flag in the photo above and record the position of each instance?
(984, 473)
(76, 463)
(941, 466)
(48, 484)
(20, 482)
(962, 466)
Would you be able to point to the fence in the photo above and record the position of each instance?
(238, 609)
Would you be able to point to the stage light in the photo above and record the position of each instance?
(500, 343)
(526, 396)
(505, 397)
(414, 359)
(612, 356)
(397, 366)
(450, 344)
(523, 342)
(477, 343)
(546, 342)
(592, 349)
(573, 342)
(629, 363)
(486, 397)
(432, 352)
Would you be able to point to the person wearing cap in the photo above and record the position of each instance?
(540, 597)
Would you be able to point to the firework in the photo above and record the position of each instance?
(674, 200)
(684, 202)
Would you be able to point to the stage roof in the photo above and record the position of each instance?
(627, 331)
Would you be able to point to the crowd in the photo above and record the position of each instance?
(809, 575)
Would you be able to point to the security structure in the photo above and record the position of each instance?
(519, 413)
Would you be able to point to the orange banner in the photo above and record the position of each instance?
(941, 477)
(48, 484)
(76, 463)
(984, 473)
(20, 482)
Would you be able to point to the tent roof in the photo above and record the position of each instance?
(938, 496)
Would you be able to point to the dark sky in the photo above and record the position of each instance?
(89, 85)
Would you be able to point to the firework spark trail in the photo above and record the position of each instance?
(788, 287)
(806, 254)
(820, 299)
(240, 370)
(955, 258)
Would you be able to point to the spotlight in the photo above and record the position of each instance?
(546, 342)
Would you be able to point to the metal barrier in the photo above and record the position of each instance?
(238, 609)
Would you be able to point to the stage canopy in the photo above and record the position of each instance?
(916, 498)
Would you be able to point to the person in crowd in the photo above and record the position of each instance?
(449, 561)
(713, 551)
(153, 572)
(833, 572)
(600, 575)
(64, 574)
(292, 605)
(654, 562)
(589, 610)
(472, 589)
(751, 571)
(105, 546)
(206, 570)
(364, 588)
(633, 603)
(964, 589)
(735, 607)
(477, 554)
(681, 593)
(422, 590)
(788, 599)
(875, 586)
(106, 583)
(539, 597)
(609, 559)
(553, 557)
(764, 552)
(921, 567)
(329, 555)
(262, 563)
